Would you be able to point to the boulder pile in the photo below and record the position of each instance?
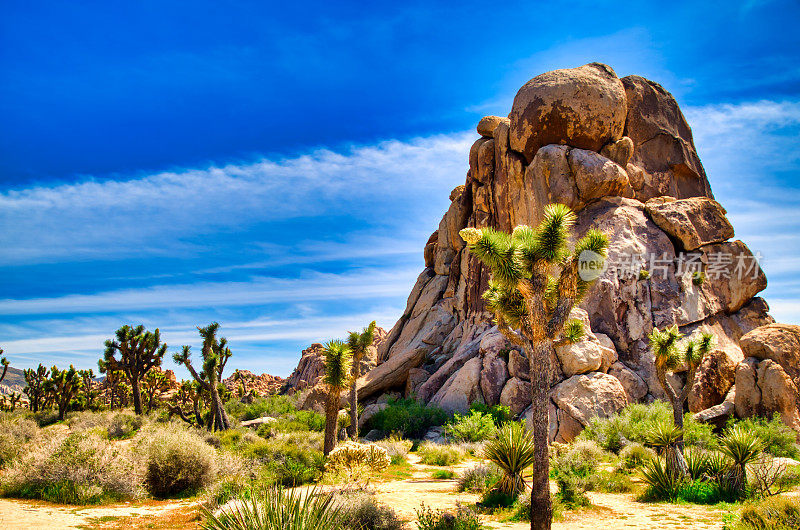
(620, 153)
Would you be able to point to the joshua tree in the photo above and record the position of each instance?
(669, 355)
(139, 351)
(5, 363)
(154, 384)
(337, 373)
(35, 387)
(358, 343)
(215, 355)
(189, 394)
(531, 308)
(89, 393)
(64, 385)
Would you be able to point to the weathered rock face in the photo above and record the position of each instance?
(263, 385)
(583, 107)
(620, 153)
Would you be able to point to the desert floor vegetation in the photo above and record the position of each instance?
(743, 476)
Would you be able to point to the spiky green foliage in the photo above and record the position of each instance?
(742, 447)
(278, 509)
(552, 234)
(663, 483)
(215, 355)
(139, 351)
(512, 451)
(63, 385)
(664, 345)
(358, 342)
(573, 331)
(337, 359)
(664, 435)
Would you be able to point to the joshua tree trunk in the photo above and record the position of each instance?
(541, 507)
(352, 429)
(331, 421)
(221, 422)
(137, 395)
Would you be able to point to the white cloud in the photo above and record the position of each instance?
(161, 213)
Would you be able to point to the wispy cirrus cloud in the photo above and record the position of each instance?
(163, 214)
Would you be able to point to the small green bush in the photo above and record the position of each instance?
(443, 474)
(494, 498)
(434, 454)
(474, 427)
(500, 413)
(779, 439)
(774, 513)
(609, 482)
(574, 468)
(124, 425)
(463, 519)
(275, 406)
(292, 459)
(480, 478)
(407, 417)
(177, 461)
(702, 492)
(635, 421)
(634, 455)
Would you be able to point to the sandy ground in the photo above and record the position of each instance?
(609, 511)
(30, 515)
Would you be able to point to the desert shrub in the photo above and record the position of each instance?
(574, 468)
(702, 492)
(15, 432)
(361, 511)
(291, 459)
(176, 461)
(634, 455)
(494, 498)
(697, 463)
(779, 439)
(276, 508)
(480, 478)
(274, 405)
(44, 417)
(443, 474)
(434, 454)
(407, 417)
(500, 413)
(355, 459)
(80, 468)
(463, 519)
(635, 421)
(124, 425)
(609, 482)
(396, 447)
(299, 421)
(770, 476)
(775, 513)
(474, 427)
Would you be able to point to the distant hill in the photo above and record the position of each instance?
(14, 380)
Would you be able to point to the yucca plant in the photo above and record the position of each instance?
(670, 354)
(531, 307)
(513, 450)
(278, 509)
(662, 481)
(697, 463)
(358, 343)
(742, 447)
(665, 438)
(337, 361)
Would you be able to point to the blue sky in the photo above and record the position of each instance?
(278, 167)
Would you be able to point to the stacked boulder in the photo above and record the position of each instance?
(620, 153)
(263, 385)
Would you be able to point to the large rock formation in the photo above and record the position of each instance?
(621, 154)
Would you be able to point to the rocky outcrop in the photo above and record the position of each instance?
(263, 385)
(621, 154)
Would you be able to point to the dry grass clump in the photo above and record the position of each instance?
(396, 447)
(434, 454)
(80, 468)
(176, 461)
(15, 432)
